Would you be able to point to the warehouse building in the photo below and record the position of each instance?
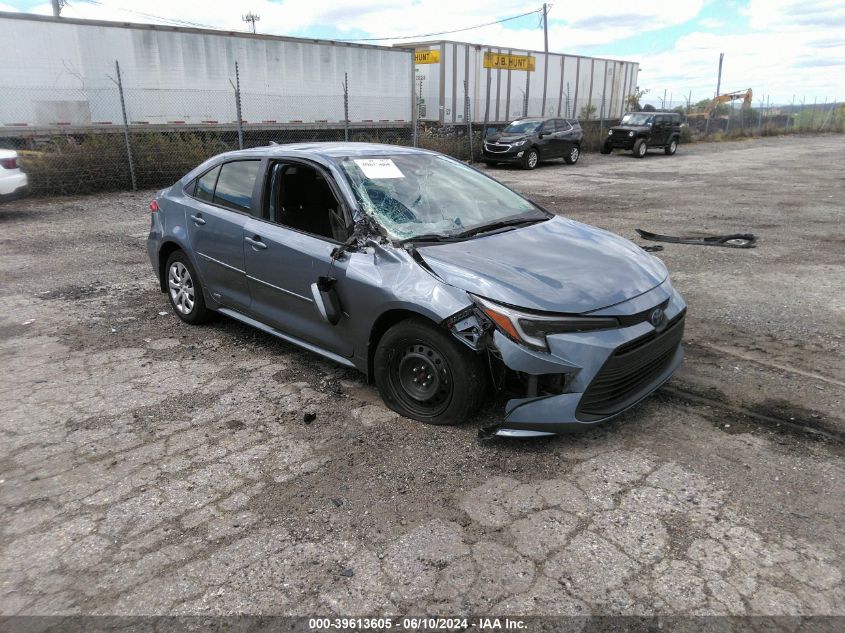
(506, 83)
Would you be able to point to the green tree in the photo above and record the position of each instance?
(587, 112)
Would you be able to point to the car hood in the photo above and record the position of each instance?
(505, 138)
(557, 266)
(629, 128)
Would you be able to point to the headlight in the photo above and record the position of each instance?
(518, 143)
(610, 132)
(531, 328)
(630, 133)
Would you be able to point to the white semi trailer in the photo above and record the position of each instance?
(61, 72)
(507, 83)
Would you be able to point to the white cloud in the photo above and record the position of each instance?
(793, 48)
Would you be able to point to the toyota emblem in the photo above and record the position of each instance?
(657, 317)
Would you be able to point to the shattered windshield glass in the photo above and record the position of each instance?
(412, 195)
(637, 118)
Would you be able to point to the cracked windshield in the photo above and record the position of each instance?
(412, 196)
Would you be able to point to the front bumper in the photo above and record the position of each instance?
(620, 141)
(499, 154)
(606, 371)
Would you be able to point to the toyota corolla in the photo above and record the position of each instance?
(437, 281)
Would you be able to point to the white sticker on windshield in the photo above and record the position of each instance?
(379, 168)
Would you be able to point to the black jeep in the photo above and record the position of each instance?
(528, 141)
(639, 131)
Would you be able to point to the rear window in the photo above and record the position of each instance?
(235, 185)
(204, 188)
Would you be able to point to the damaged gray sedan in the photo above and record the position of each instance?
(438, 282)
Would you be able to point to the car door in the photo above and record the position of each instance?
(550, 144)
(282, 262)
(659, 128)
(221, 204)
(566, 136)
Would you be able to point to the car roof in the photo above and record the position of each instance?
(328, 149)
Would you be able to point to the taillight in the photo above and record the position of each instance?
(9, 163)
(153, 206)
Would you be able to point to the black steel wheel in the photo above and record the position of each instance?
(423, 373)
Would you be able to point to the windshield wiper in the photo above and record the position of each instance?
(502, 224)
(431, 237)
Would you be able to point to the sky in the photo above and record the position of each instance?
(783, 49)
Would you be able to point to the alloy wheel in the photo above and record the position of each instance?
(181, 287)
(532, 159)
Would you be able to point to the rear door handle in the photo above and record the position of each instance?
(198, 219)
(256, 243)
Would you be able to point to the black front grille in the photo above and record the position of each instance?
(632, 319)
(630, 369)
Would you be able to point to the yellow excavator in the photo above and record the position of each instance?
(728, 97)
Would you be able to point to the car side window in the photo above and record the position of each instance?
(204, 185)
(549, 127)
(303, 200)
(563, 126)
(658, 120)
(236, 184)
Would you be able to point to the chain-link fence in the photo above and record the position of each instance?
(709, 120)
(111, 137)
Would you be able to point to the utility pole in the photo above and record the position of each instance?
(57, 7)
(252, 18)
(545, 53)
(719, 80)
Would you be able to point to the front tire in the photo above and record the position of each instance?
(672, 147)
(185, 291)
(606, 149)
(531, 159)
(491, 163)
(640, 148)
(573, 156)
(423, 373)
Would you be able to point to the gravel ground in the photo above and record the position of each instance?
(150, 467)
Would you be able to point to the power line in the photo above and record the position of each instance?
(171, 21)
(421, 35)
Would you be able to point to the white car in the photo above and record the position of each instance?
(13, 182)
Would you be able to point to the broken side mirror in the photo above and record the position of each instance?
(326, 299)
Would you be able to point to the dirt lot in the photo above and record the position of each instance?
(148, 467)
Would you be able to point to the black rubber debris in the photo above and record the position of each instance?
(735, 240)
(308, 418)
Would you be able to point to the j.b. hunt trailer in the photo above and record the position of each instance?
(506, 83)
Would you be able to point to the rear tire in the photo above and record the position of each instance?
(672, 147)
(423, 373)
(573, 156)
(531, 159)
(184, 290)
(640, 148)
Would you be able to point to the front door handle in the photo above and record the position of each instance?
(198, 219)
(256, 243)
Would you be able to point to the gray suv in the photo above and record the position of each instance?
(639, 131)
(437, 281)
